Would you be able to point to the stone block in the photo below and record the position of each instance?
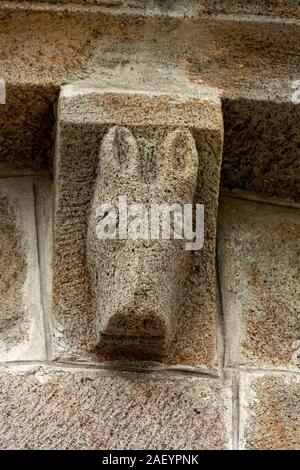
(258, 256)
(21, 317)
(25, 143)
(48, 408)
(44, 217)
(139, 124)
(269, 412)
(261, 147)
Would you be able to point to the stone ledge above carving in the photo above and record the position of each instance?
(182, 8)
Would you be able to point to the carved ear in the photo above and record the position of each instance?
(118, 154)
(180, 157)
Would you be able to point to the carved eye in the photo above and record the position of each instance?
(118, 154)
(182, 147)
(180, 151)
(180, 156)
(121, 145)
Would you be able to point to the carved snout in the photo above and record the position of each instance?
(140, 299)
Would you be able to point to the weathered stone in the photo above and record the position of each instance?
(261, 148)
(43, 46)
(89, 409)
(160, 65)
(43, 189)
(287, 8)
(84, 118)
(259, 266)
(21, 321)
(26, 122)
(137, 283)
(269, 412)
(59, 48)
(66, 44)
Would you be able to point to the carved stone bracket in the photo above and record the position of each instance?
(119, 285)
(137, 281)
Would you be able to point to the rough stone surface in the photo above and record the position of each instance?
(43, 188)
(88, 43)
(269, 415)
(77, 409)
(285, 8)
(13, 274)
(84, 117)
(21, 323)
(26, 123)
(258, 257)
(173, 52)
(43, 46)
(137, 284)
(262, 148)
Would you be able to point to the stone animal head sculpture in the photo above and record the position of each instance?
(137, 277)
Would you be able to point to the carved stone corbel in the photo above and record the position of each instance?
(128, 290)
(137, 283)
